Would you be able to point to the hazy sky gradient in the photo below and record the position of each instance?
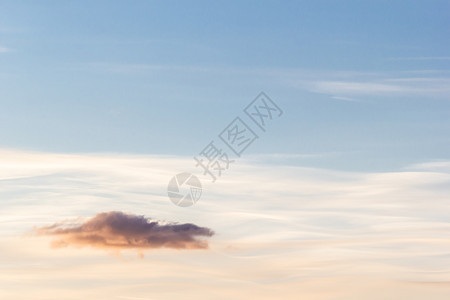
(346, 196)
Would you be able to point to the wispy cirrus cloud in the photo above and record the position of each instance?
(342, 85)
(422, 58)
(349, 88)
(4, 49)
(117, 230)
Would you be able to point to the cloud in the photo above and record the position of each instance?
(396, 85)
(422, 58)
(293, 228)
(345, 98)
(406, 86)
(442, 166)
(4, 49)
(118, 230)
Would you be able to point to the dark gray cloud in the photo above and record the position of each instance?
(118, 230)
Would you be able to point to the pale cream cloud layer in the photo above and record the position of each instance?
(282, 232)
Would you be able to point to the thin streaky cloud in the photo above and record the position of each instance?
(422, 58)
(439, 87)
(433, 166)
(113, 67)
(345, 98)
(133, 298)
(12, 30)
(4, 49)
(288, 156)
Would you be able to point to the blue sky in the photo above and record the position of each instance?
(364, 84)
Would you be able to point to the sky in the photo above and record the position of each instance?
(343, 195)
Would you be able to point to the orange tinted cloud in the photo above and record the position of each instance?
(118, 230)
